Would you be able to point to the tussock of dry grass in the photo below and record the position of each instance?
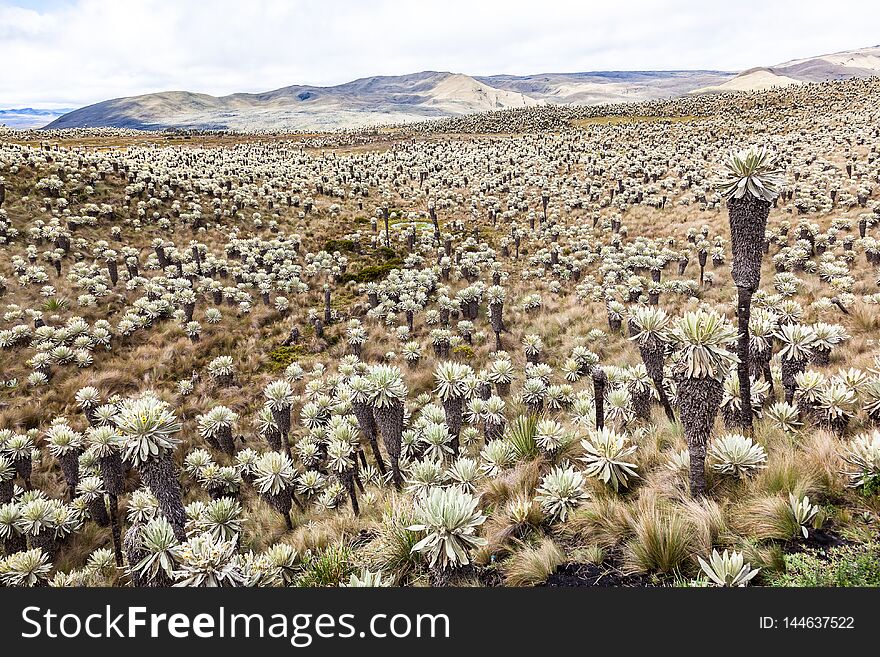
(786, 472)
(265, 527)
(532, 565)
(521, 480)
(516, 519)
(603, 522)
(662, 539)
(767, 518)
(391, 549)
(709, 522)
(317, 534)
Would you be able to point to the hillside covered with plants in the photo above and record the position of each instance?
(624, 345)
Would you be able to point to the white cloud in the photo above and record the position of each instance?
(57, 53)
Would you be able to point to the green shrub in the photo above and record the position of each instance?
(55, 304)
(871, 487)
(521, 434)
(850, 565)
(330, 567)
(392, 550)
(372, 273)
(463, 351)
(386, 253)
(281, 357)
(339, 245)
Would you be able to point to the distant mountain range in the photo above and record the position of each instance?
(861, 63)
(382, 100)
(28, 117)
(432, 94)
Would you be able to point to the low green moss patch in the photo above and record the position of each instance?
(340, 245)
(383, 252)
(281, 357)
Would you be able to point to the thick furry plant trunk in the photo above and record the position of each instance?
(454, 407)
(698, 401)
(282, 421)
(347, 479)
(113, 271)
(216, 491)
(614, 324)
(282, 502)
(600, 379)
(731, 416)
(743, 315)
(652, 356)
(224, 437)
(768, 376)
(70, 468)
(809, 410)
(115, 526)
(641, 403)
(7, 490)
(821, 356)
(160, 476)
(113, 476)
(389, 419)
(98, 511)
(15, 543)
(273, 438)
(748, 222)
(791, 367)
(759, 365)
(23, 468)
(134, 553)
(496, 311)
(839, 424)
(450, 576)
(367, 424)
(46, 540)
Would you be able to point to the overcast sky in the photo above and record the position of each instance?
(69, 53)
